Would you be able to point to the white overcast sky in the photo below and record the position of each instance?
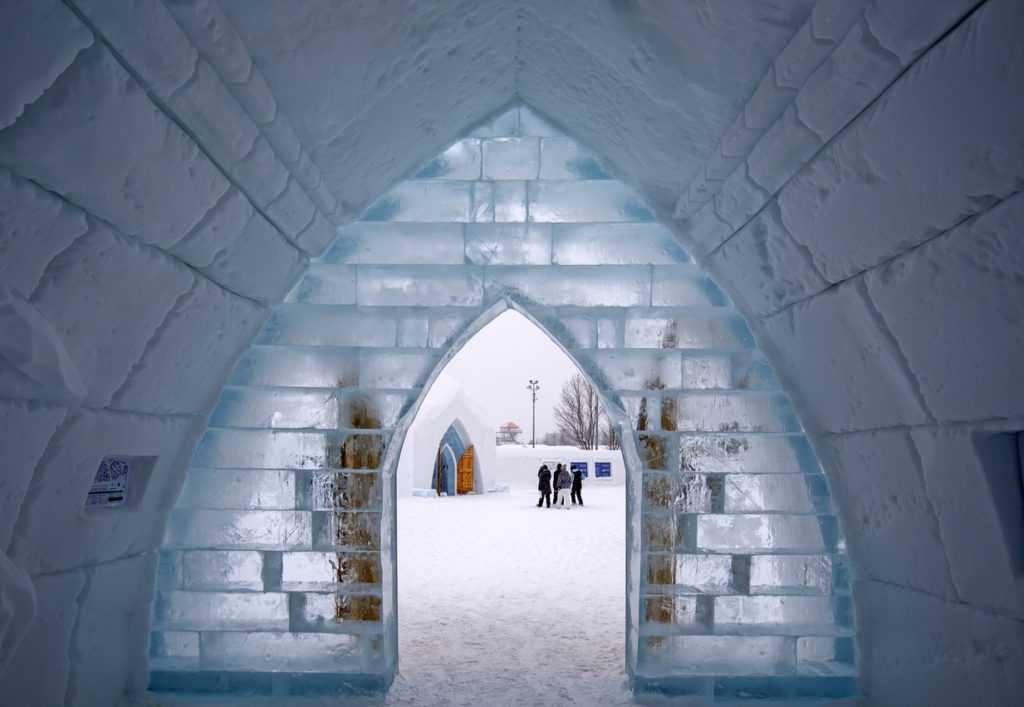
(496, 365)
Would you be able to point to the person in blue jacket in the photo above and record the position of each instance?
(577, 485)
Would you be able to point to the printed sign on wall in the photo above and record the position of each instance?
(582, 466)
(602, 469)
(110, 486)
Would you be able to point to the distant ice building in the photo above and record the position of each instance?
(449, 448)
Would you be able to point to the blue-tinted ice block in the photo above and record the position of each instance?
(675, 614)
(424, 201)
(622, 369)
(825, 655)
(386, 243)
(740, 411)
(321, 325)
(239, 530)
(346, 531)
(736, 453)
(291, 652)
(711, 371)
(585, 201)
(564, 158)
(413, 286)
(786, 615)
(174, 650)
(705, 574)
(713, 328)
(238, 488)
(610, 286)
(482, 210)
(510, 202)
(260, 449)
(511, 158)
(616, 244)
(325, 284)
(396, 368)
(758, 532)
(717, 655)
(220, 611)
(297, 366)
(790, 574)
(460, 161)
(335, 612)
(684, 286)
(508, 243)
(223, 569)
(277, 408)
(746, 493)
(323, 571)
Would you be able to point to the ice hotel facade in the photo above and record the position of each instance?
(239, 239)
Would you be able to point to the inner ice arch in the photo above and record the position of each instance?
(277, 571)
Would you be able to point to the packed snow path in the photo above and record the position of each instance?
(501, 602)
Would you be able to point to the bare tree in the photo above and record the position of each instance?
(578, 412)
(609, 435)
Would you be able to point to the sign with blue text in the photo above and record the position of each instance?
(582, 466)
(602, 469)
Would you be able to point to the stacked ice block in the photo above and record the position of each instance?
(277, 575)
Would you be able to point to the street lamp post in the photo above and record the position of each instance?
(533, 387)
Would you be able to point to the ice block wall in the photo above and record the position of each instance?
(277, 573)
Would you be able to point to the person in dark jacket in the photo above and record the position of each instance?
(562, 483)
(577, 485)
(544, 485)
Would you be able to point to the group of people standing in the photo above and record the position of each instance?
(561, 480)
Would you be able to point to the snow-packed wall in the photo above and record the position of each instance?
(849, 171)
(277, 574)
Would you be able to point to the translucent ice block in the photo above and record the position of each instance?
(510, 202)
(564, 158)
(223, 569)
(298, 366)
(291, 652)
(585, 201)
(321, 325)
(710, 329)
(759, 532)
(346, 531)
(616, 244)
(677, 614)
(260, 449)
(396, 369)
(739, 453)
(707, 372)
(482, 210)
(243, 530)
(460, 161)
(325, 284)
(511, 158)
(414, 286)
(610, 286)
(636, 370)
(280, 408)
(224, 611)
(740, 411)
(319, 571)
(386, 243)
(821, 655)
(684, 286)
(775, 615)
(333, 612)
(508, 243)
(684, 493)
(423, 200)
(341, 491)
(238, 488)
(790, 574)
(174, 650)
(745, 493)
(695, 574)
(718, 655)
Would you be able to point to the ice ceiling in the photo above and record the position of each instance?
(849, 172)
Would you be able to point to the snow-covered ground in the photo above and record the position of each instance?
(504, 603)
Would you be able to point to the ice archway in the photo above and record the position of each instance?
(737, 579)
(848, 170)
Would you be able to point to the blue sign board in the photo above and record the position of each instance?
(602, 469)
(582, 466)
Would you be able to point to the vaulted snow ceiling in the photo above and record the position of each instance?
(850, 172)
(387, 85)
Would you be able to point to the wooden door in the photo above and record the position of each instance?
(464, 482)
